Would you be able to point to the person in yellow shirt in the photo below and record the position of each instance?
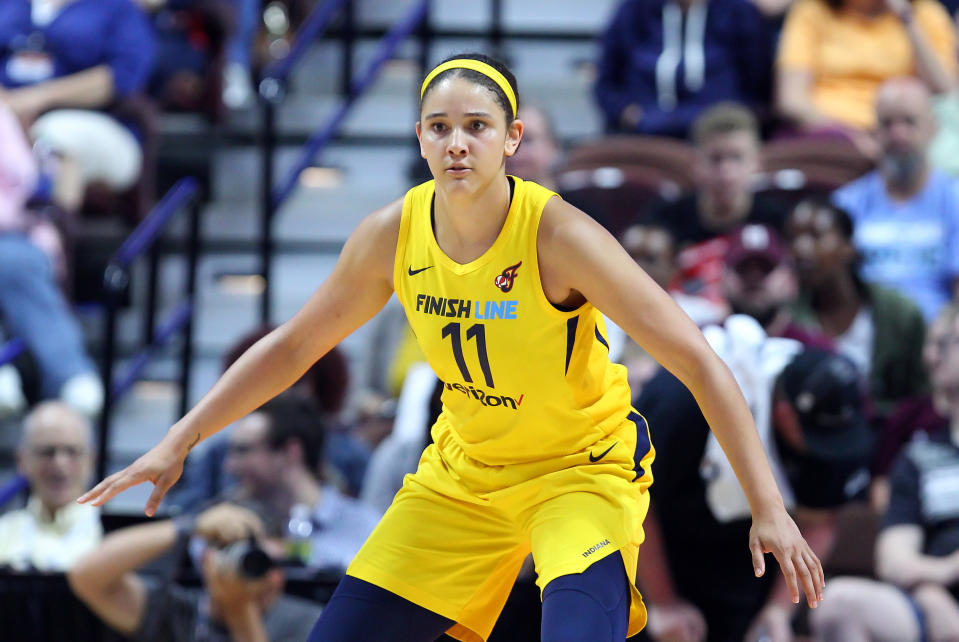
(537, 448)
(834, 55)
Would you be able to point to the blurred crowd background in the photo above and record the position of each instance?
(176, 176)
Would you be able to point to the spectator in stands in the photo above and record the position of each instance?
(879, 329)
(190, 40)
(539, 153)
(918, 544)
(326, 383)
(691, 573)
(237, 88)
(275, 454)
(230, 607)
(398, 455)
(727, 158)
(918, 414)
(55, 455)
(61, 63)
(759, 280)
(654, 250)
(32, 308)
(375, 414)
(835, 54)
(665, 61)
(906, 213)
(652, 247)
(773, 10)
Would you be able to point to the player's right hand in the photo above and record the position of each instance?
(162, 465)
(678, 622)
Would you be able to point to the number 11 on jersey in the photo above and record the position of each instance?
(477, 332)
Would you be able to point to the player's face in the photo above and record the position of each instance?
(464, 136)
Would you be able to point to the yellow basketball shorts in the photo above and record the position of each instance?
(458, 531)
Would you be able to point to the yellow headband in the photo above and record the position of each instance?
(473, 65)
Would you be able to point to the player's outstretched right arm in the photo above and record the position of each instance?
(360, 285)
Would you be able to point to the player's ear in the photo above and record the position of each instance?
(419, 137)
(514, 134)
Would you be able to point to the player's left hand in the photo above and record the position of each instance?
(775, 532)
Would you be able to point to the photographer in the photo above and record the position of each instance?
(230, 606)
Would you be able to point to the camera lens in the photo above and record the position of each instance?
(254, 564)
(248, 560)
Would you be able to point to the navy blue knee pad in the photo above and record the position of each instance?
(360, 611)
(592, 605)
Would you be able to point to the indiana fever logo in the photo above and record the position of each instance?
(505, 280)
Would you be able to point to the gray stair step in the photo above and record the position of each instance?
(364, 170)
(527, 15)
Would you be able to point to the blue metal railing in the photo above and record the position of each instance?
(400, 30)
(11, 350)
(116, 278)
(149, 229)
(311, 29)
(271, 92)
(14, 486)
(173, 323)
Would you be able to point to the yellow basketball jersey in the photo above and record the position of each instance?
(523, 380)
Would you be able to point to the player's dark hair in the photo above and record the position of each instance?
(481, 79)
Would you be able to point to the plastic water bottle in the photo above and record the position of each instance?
(299, 531)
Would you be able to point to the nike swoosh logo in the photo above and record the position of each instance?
(603, 454)
(412, 271)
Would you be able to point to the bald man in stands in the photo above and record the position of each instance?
(56, 456)
(906, 212)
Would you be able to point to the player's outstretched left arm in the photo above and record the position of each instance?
(577, 255)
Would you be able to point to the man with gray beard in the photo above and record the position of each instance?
(906, 212)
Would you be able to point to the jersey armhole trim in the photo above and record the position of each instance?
(401, 241)
(562, 312)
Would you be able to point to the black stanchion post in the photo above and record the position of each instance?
(349, 41)
(496, 27)
(425, 31)
(150, 314)
(425, 34)
(115, 279)
(271, 93)
(186, 355)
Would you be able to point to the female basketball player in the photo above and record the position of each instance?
(537, 449)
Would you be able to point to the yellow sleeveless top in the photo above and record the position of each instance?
(524, 380)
